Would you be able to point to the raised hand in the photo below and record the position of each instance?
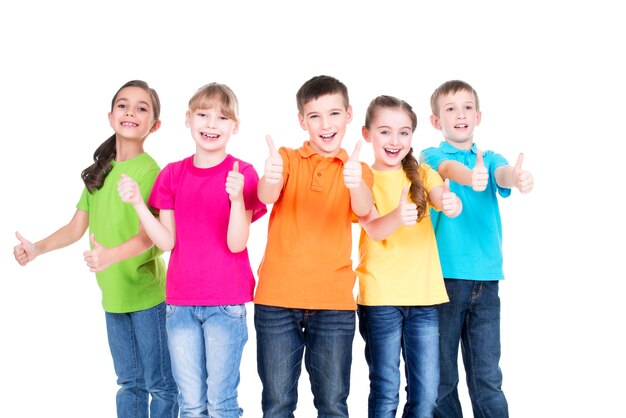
(407, 210)
(273, 164)
(523, 179)
(25, 251)
(451, 204)
(96, 259)
(480, 175)
(234, 183)
(128, 190)
(352, 170)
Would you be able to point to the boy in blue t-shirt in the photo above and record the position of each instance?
(470, 250)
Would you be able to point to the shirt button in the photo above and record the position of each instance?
(319, 174)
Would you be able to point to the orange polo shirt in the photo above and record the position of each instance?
(307, 262)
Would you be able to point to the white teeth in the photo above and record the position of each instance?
(210, 136)
(392, 151)
(128, 124)
(461, 126)
(327, 136)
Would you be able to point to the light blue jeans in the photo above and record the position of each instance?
(414, 331)
(138, 344)
(206, 344)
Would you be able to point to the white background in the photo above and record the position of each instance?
(550, 77)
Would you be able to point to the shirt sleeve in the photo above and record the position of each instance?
(433, 157)
(493, 161)
(250, 196)
(162, 195)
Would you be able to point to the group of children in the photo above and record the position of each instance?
(177, 337)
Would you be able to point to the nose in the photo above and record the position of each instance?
(211, 122)
(325, 122)
(129, 112)
(394, 140)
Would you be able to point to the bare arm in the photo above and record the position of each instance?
(380, 227)
(161, 230)
(445, 201)
(239, 218)
(271, 184)
(26, 251)
(99, 258)
(509, 177)
(477, 177)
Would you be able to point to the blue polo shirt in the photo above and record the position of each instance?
(470, 245)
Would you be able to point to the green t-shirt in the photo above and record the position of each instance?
(136, 283)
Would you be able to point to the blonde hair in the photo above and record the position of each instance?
(411, 167)
(450, 87)
(216, 95)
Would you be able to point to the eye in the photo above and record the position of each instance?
(121, 106)
(223, 118)
(469, 107)
(143, 109)
(404, 133)
(335, 113)
(449, 109)
(384, 132)
(201, 114)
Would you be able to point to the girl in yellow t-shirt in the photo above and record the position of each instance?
(400, 279)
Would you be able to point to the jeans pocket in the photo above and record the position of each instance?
(234, 311)
(169, 310)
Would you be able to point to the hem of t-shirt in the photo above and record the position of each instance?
(407, 302)
(143, 307)
(485, 278)
(207, 302)
(308, 305)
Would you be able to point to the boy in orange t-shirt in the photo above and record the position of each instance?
(304, 299)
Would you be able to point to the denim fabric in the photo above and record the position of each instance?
(473, 318)
(138, 343)
(206, 344)
(388, 331)
(324, 337)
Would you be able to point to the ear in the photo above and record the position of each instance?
(366, 134)
(301, 120)
(155, 126)
(349, 114)
(434, 120)
(479, 116)
(188, 119)
(110, 121)
(236, 128)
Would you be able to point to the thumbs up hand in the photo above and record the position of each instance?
(450, 202)
(25, 251)
(98, 258)
(273, 164)
(523, 179)
(352, 170)
(407, 211)
(234, 183)
(128, 190)
(480, 175)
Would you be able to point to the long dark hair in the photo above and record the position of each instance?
(94, 175)
(411, 167)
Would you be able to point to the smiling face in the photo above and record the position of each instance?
(457, 118)
(132, 114)
(211, 129)
(390, 132)
(326, 119)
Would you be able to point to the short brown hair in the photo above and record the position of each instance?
(318, 86)
(450, 87)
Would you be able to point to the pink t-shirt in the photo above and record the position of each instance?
(202, 271)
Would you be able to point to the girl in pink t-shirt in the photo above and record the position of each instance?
(207, 202)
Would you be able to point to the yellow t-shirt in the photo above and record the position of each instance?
(404, 269)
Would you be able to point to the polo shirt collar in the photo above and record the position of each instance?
(451, 149)
(306, 151)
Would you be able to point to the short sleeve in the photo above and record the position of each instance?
(433, 157)
(494, 161)
(83, 202)
(162, 195)
(250, 196)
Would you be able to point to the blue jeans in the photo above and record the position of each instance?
(206, 343)
(282, 336)
(388, 330)
(473, 318)
(138, 343)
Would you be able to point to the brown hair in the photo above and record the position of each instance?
(319, 86)
(213, 94)
(450, 87)
(411, 167)
(94, 175)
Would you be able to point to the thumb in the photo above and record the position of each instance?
(95, 243)
(270, 145)
(236, 166)
(446, 186)
(479, 159)
(21, 238)
(404, 197)
(355, 154)
(520, 160)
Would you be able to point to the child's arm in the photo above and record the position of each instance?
(271, 184)
(380, 227)
(26, 251)
(477, 177)
(508, 177)
(240, 218)
(161, 230)
(100, 258)
(361, 199)
(445, 201)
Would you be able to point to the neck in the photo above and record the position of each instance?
(126, 150)
(208, 159)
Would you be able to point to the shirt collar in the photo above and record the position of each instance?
(306, 151)
(451, 149)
